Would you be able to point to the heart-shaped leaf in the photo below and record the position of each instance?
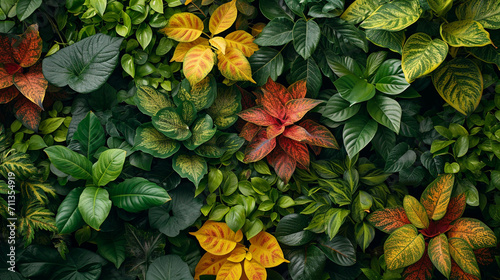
(422, 55)
(169, 267)
(225, 108)
(465, 33)
(485, 12)
(202, 94)
(192, 167)
(359, 10)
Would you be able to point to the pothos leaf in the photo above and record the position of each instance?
(183, 27)
(217, 238)
(192, 167)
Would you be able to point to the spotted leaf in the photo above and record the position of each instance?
(192, 167)
(6, 79)
(217, 238)
(183, 27)
(198, 62)
(394, 16)
(155, 143)
(183, 47)
(32, 84)
(150, 101)
(223, 17)
(295, 149)
(203, 130)
(209, 264)
(202, 94)
(254, 270)
(436, 196)
(6, 50)
(266, 250)
(439, 253)
(462, 254)
(474, 232)
(389, 219)
(278, 90)
(259, 147)
(465, 33)
(168, 122)
(242, 41)
(28, 113)
(28, 48)
(234, 66)
(415, 212)
(404, 247)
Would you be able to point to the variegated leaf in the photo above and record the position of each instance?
(460, 84)
(465, 33)
(32, 84)
(415, 212)
(217, 238)
(203, 130)
(455, 209)
(389, 219)
(223, 17)
(242, 41)
(18, 163)
(421, 270)
(230, 271)
(266, 250)
(202, 94)
(192, 167)
(238, 254)
(226, 106)
(440, 7)
(8, 94)
(387, 39)
(155, 143)
(182, 48)
(313, 134)
(360, 9)
(422, 55)
(209, 264)
(436, 196)
(28, 48)
(259, 147)
(28, 113)
(404, 247)
(394, 16)
(258, 115)
(462, 254)
(297, 108)
(458, 274)
(198, 62)
(219, 43)
(183, 27)
(234, 66)
(150, 101)
(439, 253)
(6, 79)
(298, 89)
(187, 111)
(485, 12)
(254, 270)
(168, 122)
(474, 232)
(249, 130)
(283, 164)
(295, 149)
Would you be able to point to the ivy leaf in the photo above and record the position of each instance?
(192, 167)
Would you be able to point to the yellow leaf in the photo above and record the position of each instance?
(219, 43)
(209, 264)
(238, 254)
(230, 271)
(198, 62)
(266, 250)
(217, 238)
(242, 41)
(187, 2)
(223, 17)
(465, 33)
(254, 270)
(416, 212)
(183, 48)
(234, 65)
(183, 27)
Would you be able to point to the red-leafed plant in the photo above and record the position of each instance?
(432, 232)
(20, 72)
(273, 132)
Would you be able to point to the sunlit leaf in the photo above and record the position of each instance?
(404, 247)
(183, 27)
(223, 17)
(266, 250)
(183, 47)
(150, 101)
(234, 65)
(198, 62)
(436, 196)
(485, 12)
(192, 167)
(209, 264)
(219, 43)
(422, 55)
(394, 16)
(254, 270)
(217, 238)
(32, 84)
(360, 9)
(230, 271)
(415, 212)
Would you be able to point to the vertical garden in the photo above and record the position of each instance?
(243, 139)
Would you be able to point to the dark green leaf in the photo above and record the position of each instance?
(358, 132)
(400, 157)
(276, 33)
(274, 9)
(339, 250)
(90, 135)
(138, 194)
(169, 267)
(306, 263)
(290, 230)
(265, 63)
(72, 163)
(309, 71)
(306, 36)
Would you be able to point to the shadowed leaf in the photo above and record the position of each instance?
(283, 164)
(388, 220)
(474, 232)
(455, 209)
(421, 270)
(259, 147)
(8, 94)
(296, 150)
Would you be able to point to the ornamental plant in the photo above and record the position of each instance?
(272, 132)
(197, 53)
(227, 258)
(432, 232)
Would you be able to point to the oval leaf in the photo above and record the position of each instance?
(439, 253)
(168, 122)
(266, 250)
(94, 205)
(462, 254)
(422, 55)
(182, 48)
(72, 163)
(217, 238)
(436, 196)
(242, 41)
(191, 167)
(358, 132)
(198, 62)
(155, 143)
(339, 250)
(183, 27)
(68, 218)
(404, 247)
(386, 111)
(223, 17)
(169, 267)
(359, 10)
(290, 230)
(108, 167)
(234, 66)
(485, 12)
(474, 232)
(138, 194)
(415, 212)
(464, 33)
(394, 16)
(150, 101)
(306, 35)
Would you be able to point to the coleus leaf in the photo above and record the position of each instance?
(266, 250)
(259, 147)
(316, 135)
(283, 164)
(474, 232)
(8, 94)
(297, 108)
(274, 130)
(298, 89)
(436, 196)
(296, 150)
(209, 264)
(258, 115)
(183, 47)
(217, 238)
(273, 105)
(421, 270)
(249, 130)
(242, 41)
(183, 27)
(254, 270)
(32, 84)
(6, 50)
(389, 219)
(277, 90)
(28, 113)
(223, 17)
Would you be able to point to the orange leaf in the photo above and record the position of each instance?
(6, 49)
(421, 270)
(463, 255)
(198, 62)
(277, 90)
(274, 130)
(230, 271)
(183, 48)
(219, 43)
(259, 147)
(273, 105)
(458, 274)
(209, 264)
(32, 84)
(238, 254)
(389, 219)
(257, 28)
(28, 113)
(254, 270)
(8, 94)
(283, 164)
(217, 238)
(183, 27)
(28, 48)
(234, 66)
(223, 17)
(266, 250)
(298, 89)
(439, 253)
(249, 130)
(242, 41)
(484, 256)
(187, 2)
(474, 232)
(297, 108)
(257, 115)
(455, 209)
(318, 135)
(6, 79)
(436, 196)
(296, 150)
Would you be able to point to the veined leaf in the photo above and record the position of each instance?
(230, 271)
(6, 81)
(150, 101)
(137, 194)
(338, 109)
(485, 12)
(283, 164)
(72, 163)
(354, 89)
(266, 250)
(209, 264)
(389, 219)
(219, 43)
(28, 48)
(339, 250)
(183, 47)
(415, 212)
(258, 115)
(436, 196)
(94, 205)
(32, 84)
(455, 209)
(203, 130)
(108, 167)
(421, 270)
(90, 134)
(296, 150)
(234, 66)
(360, 9)
(404, 247)
(198, 62)
(297, 108)
(217, 238)
(358, 132)
(168, 267)
(187, 111)
(439, 253)
(254, 270)
(386, 111)
(460, 84)
(266, 62)
(242, 41)
(464, 33)
(111, 247)
(276, 33)
(390, 78)
(394, 16)
(259, 147)
(458, 274)
(223, 17)
(387, 39)
(168, 122)
(202, 94)
(183, 27)
(422, 55)
(308, 74)
(311, 133)
(306, 35)
(338, 30)
(155, 143)
(399, 158)
(462, 254)
(225, 108)
(69, 218)
(191, 167)
(440, 7)
(474, 232)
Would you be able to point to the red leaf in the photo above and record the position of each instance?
(458, 274)
(277, 90)
(283, 164)
(298, 89)
(316, 149)
(273, 105)
(8, 94)
(249, 130)
(455, 209)
(246, 98)
(296, 150)
(28, 113)
(28, 48)
(420, 270)
(257, 115)
(259, 147)
(389, 219)
(297, 133)
(312, 133)
(297, 108)
(6, 49)
(32, 84)
(12, 68)
(6, 79)
(484, 256)
(274, 130)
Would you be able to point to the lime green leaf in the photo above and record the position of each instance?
(137, 194)
(150, 101)
(404, 247)
(70, 162)
(202, 130)
(387, 39)
(360, 9)
(440, 7)
(108, 167)
(460, 83)
(168, 122)
(465, 33)
(191, 167)
(226, 106)
(485, 12)
(415, 212)
(439, 253)
(421, 55)
(394, 16)
(94, 205)
(155, 143)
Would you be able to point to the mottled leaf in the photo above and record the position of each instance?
(404, 247)
(389, 219)
(474, 232)
(192, 167)
(183, 47)
(436, 196)
(242, 41)
(439, 253)
(150, 101)
(462, 254)
(183, 27)
(422, 55)
(394, 16)
(465, 33)
(259, 147)
(168, 122)
(198, 62)
(415, 212)
(234, 65)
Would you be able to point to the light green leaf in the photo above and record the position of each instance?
(108, 167)
(99, 5)
(144, 35)
(464, 33)
(94, 205)
(421, 55)
(191, 167)
(394, 16)
(338, 109)
(360, 9)
(354, 89)
(440, 6)
(26, 8)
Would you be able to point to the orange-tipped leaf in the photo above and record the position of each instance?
(298, 89)
(297, 108)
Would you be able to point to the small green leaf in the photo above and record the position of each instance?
(191, 167)
(235, 218)
(108, 167)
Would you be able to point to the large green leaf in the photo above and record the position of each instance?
(439, 253)
(390, 78)
(202, 94)
(90, 135)
(421, 55)
(344, 65)
(170, 123)
(69, 218)
(385, 111)
(460, 84)
(306, 36)
(150, 101)
(394, 16)
(338, 109)
(86, 65)
(290, 230)
(112, 247)
(463, 255)
(306, 263)
(339, 250)
(309, 71)
(276, 33)
(337, 29)
(149, 140)
(108, 167)
(358, 132)
(192, 167)
(400, 157)
(440, 6)
(404, 247)
(169, 267)
(360, 9)
(265, 63)
(226, 106)
(26, 8)
(70, 162)
(485, 12)
(94, 205)
(18, 163)
(137, 194)
(354, 89)
(387, 39)
(464, 33)
(274, 9)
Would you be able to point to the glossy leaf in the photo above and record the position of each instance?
(365, 233)
(465, 33)
(290, 230)
(440, 6)
(258, 115)
(385, 111)
(389, 219)
(183, 47)
(394, 16)
(399, 158)
(259, 147)
(254, 270)
(72, 163)
(306, 263)
(462, 254)
(339, 250)
(203, 130)
(112, 248)
(276, 33)
(168, 122)
(358, 132)
(266, 62)
(422, 55)
(94, 205)
(266, 250)
(458, 274)
(415, 212)
(307, 72)
(338, 109)
(191, 167)
(150, 101)
(183, 27)
(198, 62)
(223, 17)
(485, 12)
(155, 143)
(439, 253)
(312, 133)
(69, 218)
(234, 65)
(436, 196)
(359, 10)
(404, 247)
(242, 41)
(474, 232)
(217, 238)
(137, 194)
(108, 167)
(387, 39)
(26, 8)
(354, 89)
(296, 150)
(306, 35)
(90, 134)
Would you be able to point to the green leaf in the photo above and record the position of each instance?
(485, 12)
(386, 111)
(422, 55)
(90, 135)
(400, 157)
(36, 142)
(150, 101)
(338, 109)
(335, 218)
(187, 111)
(168, 122)
(460, 84)
(99, 5)
(155, 143)
(18, 163)
(354, 89)
(464, 33)
(191, 167)
(394, 16)
(375, 61)
(306, 36)
(338, 29)
(404, 247)
(169, 267)
(390, 78)
(202, 130)
(266, 62)
(360, 9)
(108, 167)
(202, 94)
(439, 253)
(235, 218)
(461, 147)
(306, 263)
(387, 39)
(86, 65)
(358, 132)
(215, 178)
(440, 7)
(50, 125)
(290, 230)
(144, 34)
(415, 212)
(137, 194)
(276, 33)
(488, 53)
(309, 71)
(225, 108)
(296, 6)
(365, 233)
(68, 218)
(462, 254)
(111, 247)
(339, 250)
(274, 9)
(94, 205)
(70, 162)
(344, 65)
(26, 8)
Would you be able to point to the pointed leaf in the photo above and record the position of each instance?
(90, 134)
(183, 47)
(219, 43)
(202, 94)
(259, 147)
(198, 62)
(436, 196)
(462, 254)
(359, 10)
(254, 270)
(32, 84)
(474, 232)
(234, 66)
(354, 89)
(404, 247)
(297, 108)
(258, 115)
(266, 62)
(6, 80)
(28, 113)
(223, 17)
(242, 41)
(191, 167)
(225, 108)
(94, 205)
(112, 248)
(458, 274)
(230, 271)
(137, 194)
(183, 27)
(168, 122)
(290, 230)
(203, 130)
(273, 105)
(150, 101)
(108, 167)
(465, 33)
(266, 250)
(415, 212)
(393, 40)
(28, 48)
(217, 238)
(68, 218)
(385, 111)
(155, 143)
(72, 163)
(422, 55)
(455, 209)
(339, 250)
(187, 112)
(358, 132)
(298, 89)
(338, 109)
(421, 270)
(276, 33)
(389, 219)
(209, 264)
(306, 35)
(439, 253)
(306, 263)
(485, 12)
(296, 150)
(394, 16)
(308, 71)
(283, 164)
(399, 158)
